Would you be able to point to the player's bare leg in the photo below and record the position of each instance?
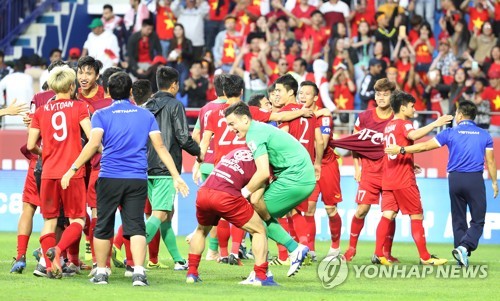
(196, 248)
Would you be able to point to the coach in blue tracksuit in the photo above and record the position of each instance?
(469, 145)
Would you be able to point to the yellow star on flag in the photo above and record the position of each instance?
(496, 102)
(341, 101)
(229, 51)
(244, 19)
(478, 23)
(256, 2)
(214, 5)
(169, 23)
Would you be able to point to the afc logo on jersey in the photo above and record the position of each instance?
(243, 155)
(374, 136)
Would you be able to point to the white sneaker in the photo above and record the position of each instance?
(297, 257)
(212, 255)
(333, 252)
(180, 266)
(250, 279)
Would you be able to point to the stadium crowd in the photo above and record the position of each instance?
(441, 52)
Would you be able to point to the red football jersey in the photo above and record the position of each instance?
(99, 95)
(233, 172)
(372, 126)
(59, 125)
(302, 129)
(205, 111)
(226, 140)
(398, 169)
(325, 124)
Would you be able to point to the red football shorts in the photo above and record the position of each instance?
(369, 190)
(72, 198)
(304, 206)
(212, 205)
(147, 207)
(407, 200)
(328, 185)
(30, 191)
(91, 193)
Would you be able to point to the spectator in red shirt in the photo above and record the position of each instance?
(316, 36)
(214, 23)
(142, 47)
(165, 21)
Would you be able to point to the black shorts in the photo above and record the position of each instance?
(131, 195)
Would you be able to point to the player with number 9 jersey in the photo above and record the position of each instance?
(59, 125)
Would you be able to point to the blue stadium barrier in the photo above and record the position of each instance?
(434, 196)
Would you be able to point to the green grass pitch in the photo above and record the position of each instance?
(220, 282)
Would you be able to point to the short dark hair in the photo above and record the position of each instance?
(308, 83)
(240, 108)
(384, 84)
(289, 82)
(107, 74)
(317, 12)
(147, 22)
(400, 98)
(166, 76)
(303, 62)
(141, 90)
(255, 99)
(271, 88)
(255, 35)
(119, 85)
(196, 62)
(90, 62)
(54, 51)
(107, 6)
(468, 109)
(232, 85)
(218, 80)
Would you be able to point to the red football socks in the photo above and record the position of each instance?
(22, 245)
(311, 231)
(223, 233)
(128, 252)
(154, 248)
(118, 241)
(47, 241)
(300, 226)
(389, 238)
(357, 225)
(237, 235)
(261, 270)
(382, 227)
(418, 233)
(193, 263)
(71, 234)
(335, 223)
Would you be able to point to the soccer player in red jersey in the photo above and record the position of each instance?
(307, 132)
(329, 181)
(221, 197)
(87, 74)
(399, 185)
(226, 140)
(368, 172)
(58, 124)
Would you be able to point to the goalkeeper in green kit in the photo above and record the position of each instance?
(292, 167)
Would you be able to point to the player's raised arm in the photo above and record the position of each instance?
(421, 132)
(291, 115)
